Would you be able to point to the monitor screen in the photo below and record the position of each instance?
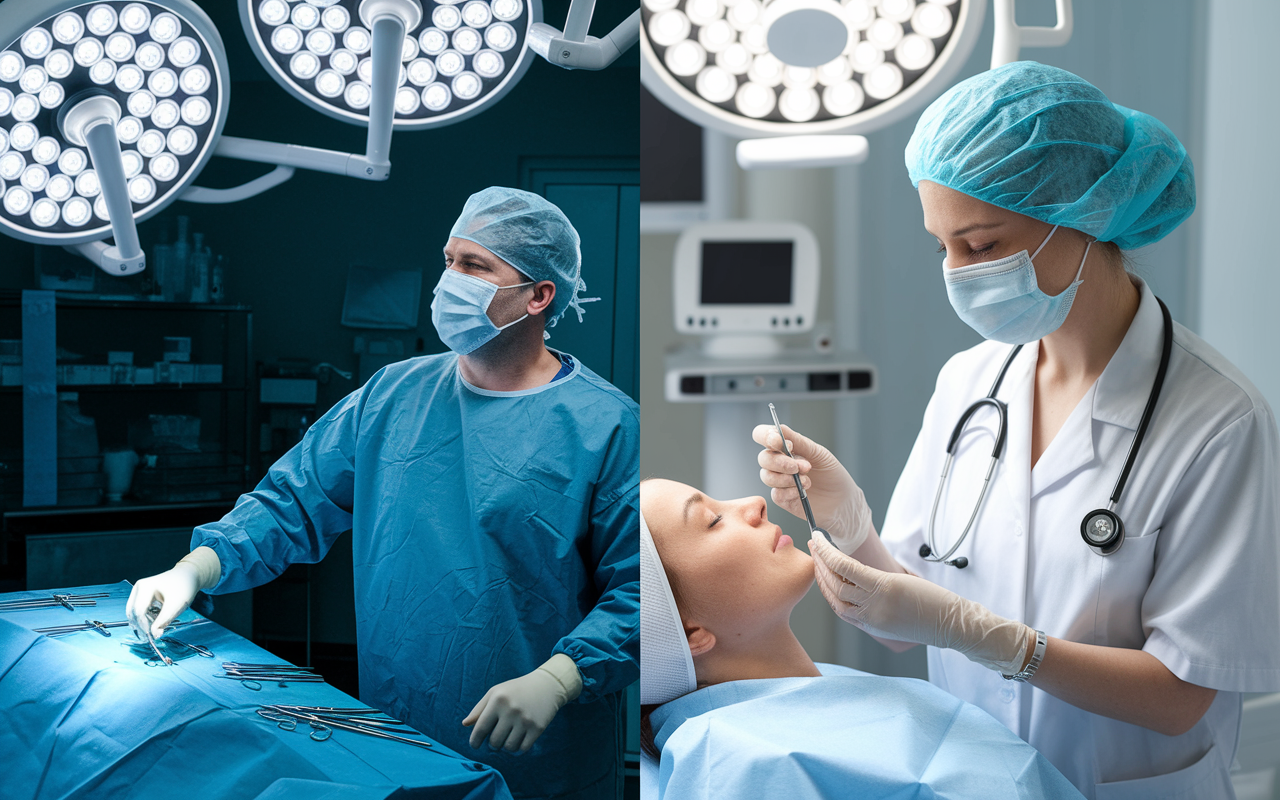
(747, 273)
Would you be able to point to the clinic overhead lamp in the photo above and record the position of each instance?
(795, 79)
(108, 111)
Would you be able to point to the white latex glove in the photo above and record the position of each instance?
(912, 609)
(516, 712)
(158, 600)
(839, 506)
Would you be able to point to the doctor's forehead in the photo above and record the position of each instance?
(950, 213)
(457, 249)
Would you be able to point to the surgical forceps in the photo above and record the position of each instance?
(323, 720)
(804, 498)
(68, 601)
(89, 625)
(282, 674)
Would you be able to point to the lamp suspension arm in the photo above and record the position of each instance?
(300, 157)
(253, 188)
(1010, 37)
(574, 49)
(388, 38)
(90, 122)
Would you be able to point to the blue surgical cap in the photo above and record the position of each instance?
(532, 235)
(1042, 142)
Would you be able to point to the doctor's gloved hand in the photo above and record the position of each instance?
(911, 609)
(513, 714)
(839, 506)
(168, 594)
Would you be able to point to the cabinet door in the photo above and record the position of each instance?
(602, 200)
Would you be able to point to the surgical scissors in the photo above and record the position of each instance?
(68, 601)
(89, 625)
(322, 720)
(804, 498)
(282, 674)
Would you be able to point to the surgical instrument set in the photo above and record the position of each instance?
(324, 720)
(251, 676)
(804, 497)
(68, 601)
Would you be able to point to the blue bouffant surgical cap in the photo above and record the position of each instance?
(532, 235)
(1042, 142)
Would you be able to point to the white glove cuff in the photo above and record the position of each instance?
(562, 668)
(207, 566)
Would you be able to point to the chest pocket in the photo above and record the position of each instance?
(1122, 584)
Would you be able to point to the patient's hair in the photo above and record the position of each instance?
(647, 743)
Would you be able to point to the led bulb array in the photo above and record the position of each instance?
(718, 50)
(156, 66)
(457, 57)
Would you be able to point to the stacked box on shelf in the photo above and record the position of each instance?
(189, 477)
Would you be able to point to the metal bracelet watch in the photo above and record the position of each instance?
(1037, 656)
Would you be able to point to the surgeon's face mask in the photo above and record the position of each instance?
(1002, 300)
(460, 311)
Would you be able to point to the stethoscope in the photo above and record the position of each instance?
(1102, 528)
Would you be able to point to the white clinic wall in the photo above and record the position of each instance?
(1237, 181)
(882, 292)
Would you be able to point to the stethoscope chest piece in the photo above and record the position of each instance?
(1103, 531)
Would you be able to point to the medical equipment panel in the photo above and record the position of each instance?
(692, 377)
(746, 276)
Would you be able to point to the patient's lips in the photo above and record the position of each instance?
(782, 541)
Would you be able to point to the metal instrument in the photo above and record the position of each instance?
(88, 625)
(251, 676)
(804, 497)
(323, 720)
(68, 601)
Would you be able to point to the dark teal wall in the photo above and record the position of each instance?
(289, 248)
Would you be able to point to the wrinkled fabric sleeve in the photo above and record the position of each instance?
(1212, 611)
(297, 511)
(605, 646)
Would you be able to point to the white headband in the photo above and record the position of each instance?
(666, 665)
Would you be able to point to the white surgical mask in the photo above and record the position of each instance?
(1002, 299)
(460, 311)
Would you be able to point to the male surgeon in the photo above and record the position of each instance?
(492, 494)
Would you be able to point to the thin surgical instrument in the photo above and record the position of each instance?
(357, 723)
(68, 601)
(804, 497)
(89, 625)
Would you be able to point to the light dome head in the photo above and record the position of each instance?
(69, 38)
(477, 23)
(885, 59)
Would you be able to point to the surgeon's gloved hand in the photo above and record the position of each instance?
(912, 609)
(839, 506)
(513, 714)
(170, 593)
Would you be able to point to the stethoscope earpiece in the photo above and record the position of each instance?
(1103, 531)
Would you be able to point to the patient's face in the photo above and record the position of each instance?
(732, 570)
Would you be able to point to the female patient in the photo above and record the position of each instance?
(735, 707)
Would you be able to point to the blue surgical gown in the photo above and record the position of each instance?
(846, 734)
(490, 530)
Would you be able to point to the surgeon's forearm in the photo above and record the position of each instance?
(1129, 685)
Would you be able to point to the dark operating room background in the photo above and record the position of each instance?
(569, 135)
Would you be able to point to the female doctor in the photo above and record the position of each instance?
(1111, 622)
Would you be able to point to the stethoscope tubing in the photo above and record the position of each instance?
(1002, 432)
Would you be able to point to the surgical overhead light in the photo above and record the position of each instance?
(375, 63)
(795, 77)
(82, 87)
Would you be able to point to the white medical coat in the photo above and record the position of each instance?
(1196, 583)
